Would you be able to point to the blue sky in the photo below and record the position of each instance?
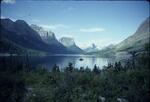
(99, 22)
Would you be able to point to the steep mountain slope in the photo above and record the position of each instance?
(8, 46)
(136, 42)
(70, 44)
(19, 27)
(20, 33)
(138, 39)
(47, 36)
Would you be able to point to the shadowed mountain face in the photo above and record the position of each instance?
(138, 39)
(70, 44)
(19, 27)
(20, 33)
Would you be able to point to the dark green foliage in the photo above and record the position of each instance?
(87, 86)
(12, 84)
(96, 70)
(8, 46)
(18, 84)
(118, 66)
(70, 67)
(55, 68)
(12, 88)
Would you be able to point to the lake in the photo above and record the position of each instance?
(62, 60)
(78, 61)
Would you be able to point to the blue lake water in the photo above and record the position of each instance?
(62, 61)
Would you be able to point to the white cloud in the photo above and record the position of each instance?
(9, 1)
(92, 30)
(57, 26)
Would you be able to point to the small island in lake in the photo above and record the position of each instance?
(74, 51)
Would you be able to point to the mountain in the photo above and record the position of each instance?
(92, 48)
(21, 34)
(47, 36)
(135, 42)
(138, 40)
(108, 51)
(8, 46)
(70, 44)
(19, 27)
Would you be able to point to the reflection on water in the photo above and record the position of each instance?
(63, 60)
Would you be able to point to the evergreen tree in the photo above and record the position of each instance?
(70, 67)
(55, 68)
(96, 69)
(81, 69)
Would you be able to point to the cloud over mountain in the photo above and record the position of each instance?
(56, 26)
(92, 30)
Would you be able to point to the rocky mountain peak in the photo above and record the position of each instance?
(67, 41)
(94, 46)
(42, 32)
(70, 44)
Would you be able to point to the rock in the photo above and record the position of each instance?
(121, 100)
(102, 98)
(70, 44)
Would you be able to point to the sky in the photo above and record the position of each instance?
(99, 22)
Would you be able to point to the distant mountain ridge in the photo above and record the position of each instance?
(92, 48)
(135, 42)
(49, 37)
(20, 35)
(70, 44)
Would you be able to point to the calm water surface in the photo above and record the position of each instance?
(62, 61)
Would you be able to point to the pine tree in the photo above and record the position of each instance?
(55, 68)
(96, 70)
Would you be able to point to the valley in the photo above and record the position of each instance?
(74, 51)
